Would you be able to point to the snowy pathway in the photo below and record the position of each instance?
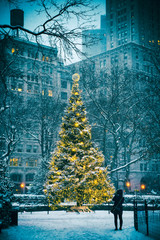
(60, 225)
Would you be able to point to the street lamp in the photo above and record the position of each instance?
(143, 186)
(128, 184)
(22, 185)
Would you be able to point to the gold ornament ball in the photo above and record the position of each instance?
(75, 77)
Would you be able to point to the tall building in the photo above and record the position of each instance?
(94, 40)
(33, 88)
(135, 21)
(114, 83)
(129, 67)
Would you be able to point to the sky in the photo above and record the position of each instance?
(30, 16)
(32, 19)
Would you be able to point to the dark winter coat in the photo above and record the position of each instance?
(118, 200)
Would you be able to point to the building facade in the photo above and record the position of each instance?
(93, 41)
(112, 83)
(135, 21)
(34, 90)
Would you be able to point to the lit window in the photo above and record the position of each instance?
(43, 58)
(20, 87)
(47, 59)
(50, 93)
(15, 162)
(43, 92)
(13, 50)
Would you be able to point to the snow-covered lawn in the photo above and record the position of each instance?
(61, 225)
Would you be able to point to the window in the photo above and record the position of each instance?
(64, 95)
(30, 177)
(31, 163)
(35, 148)
(143, 166)
(28, 148)
(50, 94)
(20, 87)
(29, 88)
(28, 77)
(36, 79)
(16, 177)
(13, 50)
(13, 85)
(64, 84)
(20, 148)
(15, 162)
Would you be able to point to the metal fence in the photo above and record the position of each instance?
(147, 221)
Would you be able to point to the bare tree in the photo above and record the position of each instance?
(58, 23)
(115, 109)
(44, 117)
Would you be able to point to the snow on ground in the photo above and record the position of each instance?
(61, 225)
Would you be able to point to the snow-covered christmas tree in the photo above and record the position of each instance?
(76, 170)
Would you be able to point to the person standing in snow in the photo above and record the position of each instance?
(117, 210)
